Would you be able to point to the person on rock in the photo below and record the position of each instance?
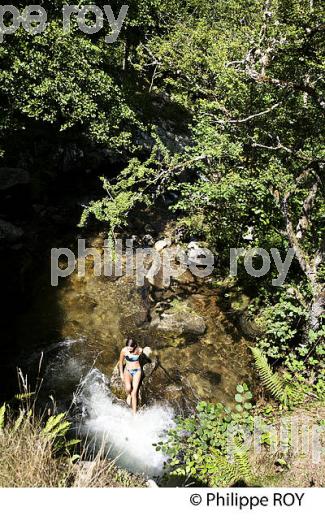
(131, 373)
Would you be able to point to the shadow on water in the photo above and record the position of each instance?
(31, 318)
(37, 218)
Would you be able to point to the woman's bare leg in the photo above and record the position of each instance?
(128, 385)
(134, 394)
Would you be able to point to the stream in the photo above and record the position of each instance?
(76, 332)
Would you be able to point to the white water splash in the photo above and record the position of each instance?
(129, 438)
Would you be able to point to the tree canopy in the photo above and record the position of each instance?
(220, 103)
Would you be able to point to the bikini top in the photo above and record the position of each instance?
(131, 358)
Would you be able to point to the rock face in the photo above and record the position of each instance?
(9, 232)
(180, 322)
(10, 177)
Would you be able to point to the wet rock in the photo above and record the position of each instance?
(10, 177)
(149, 229)
(198, 256)
(160, 307)
(169, 387)
(250, 328)
(185, 278)
(172, 265)
(138, 318)
(136, 241)
(193, 245)
(148, 241)
(162, 244)
(156, 277)
(166, 295)
(117, 385)
(158, 295)
(9, 232)
(151, 484)
(149, 368)
(180, 322)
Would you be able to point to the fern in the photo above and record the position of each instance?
(242, 462)
(228, 473)
(24, 397)
(270, 380)
(293, 395)
(19, 420)
(56, 430)
(222, 472)
(56, 426)
(289, 395)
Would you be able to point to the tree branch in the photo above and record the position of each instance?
(290, 85)
(249, 118)
(281, 146)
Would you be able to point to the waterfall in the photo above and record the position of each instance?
(128, 439)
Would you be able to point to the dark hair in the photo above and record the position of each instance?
(131, 343)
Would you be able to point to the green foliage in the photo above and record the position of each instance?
(23, 415)
(59, 79)
(250, 81)
(207, 447)
(56, 430)
(136, 186)
(270, 380)
(282, 315)
(220, 103)
(25, 396)
(288, 395)
(243, 398)
(280, 322)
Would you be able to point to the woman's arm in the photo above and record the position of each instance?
(121, 362)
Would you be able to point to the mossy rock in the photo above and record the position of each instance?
(240, 303)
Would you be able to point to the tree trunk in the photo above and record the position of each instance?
(317, 309)
(309, 268)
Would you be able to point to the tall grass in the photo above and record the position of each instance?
(34, 452)
(26, 457)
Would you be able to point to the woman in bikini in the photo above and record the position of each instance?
(131, 376)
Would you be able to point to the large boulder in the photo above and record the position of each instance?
(10, 177)
(172, 265)
(180, 322)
